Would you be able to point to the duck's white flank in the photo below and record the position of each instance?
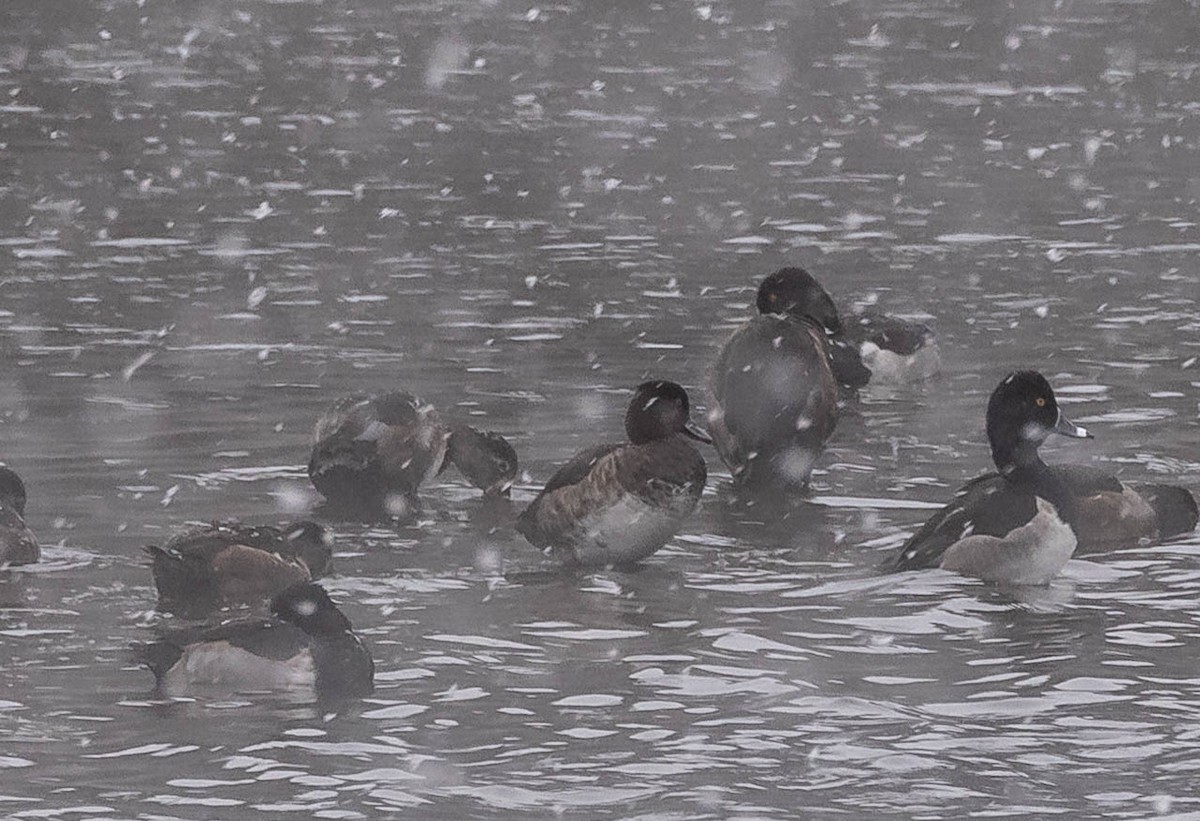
(219, 662)
(889, 366)
(1031, 554)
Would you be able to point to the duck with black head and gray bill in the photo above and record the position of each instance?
(616, 504)
(307, 646)
(1014, 526)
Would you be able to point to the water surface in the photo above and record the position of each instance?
(217, 217)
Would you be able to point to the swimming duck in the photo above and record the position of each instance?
(868, 345)
(1014, 526)
(615, 504)
(1112, 514)
(773, 394)
(309, 646)
(226, 563)
(372, 451)
(18, 545)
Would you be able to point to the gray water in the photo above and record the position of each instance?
(216, 217)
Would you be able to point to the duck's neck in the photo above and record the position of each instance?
(1022, 465)
(1017, 461)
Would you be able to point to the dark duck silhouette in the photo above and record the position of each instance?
(1014, 526)
(371, 452)
(227, 564)
(309, 646)
(773, 392)
(616, 504)
(18, 545)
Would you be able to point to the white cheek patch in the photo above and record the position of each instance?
(305, 607)
(1033, 432)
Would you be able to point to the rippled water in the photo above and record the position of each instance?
(218, 216)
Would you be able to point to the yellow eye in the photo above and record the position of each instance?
(1041, 401)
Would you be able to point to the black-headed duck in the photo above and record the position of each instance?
(225, 563)
(309, 646)
(863, 346)
(18, 545)
(1013, 526)
(372, 451)
(773, 395)
(616, 504)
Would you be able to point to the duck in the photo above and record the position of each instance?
(773, 394)
(1113, 514)
(221, 564)
(866, 346)
(373, 451)
(18, 545)
(1014, 526)
(616, 504)
(308, 645)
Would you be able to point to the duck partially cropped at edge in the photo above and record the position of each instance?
(1014, 526)
(18, 545)
(226, 563)
(373, 451)
(309, 646)
(773, 397)
(616, 504)
(862, 346)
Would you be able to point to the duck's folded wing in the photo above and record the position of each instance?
(985, 506)
(660, 473)
(541, 529)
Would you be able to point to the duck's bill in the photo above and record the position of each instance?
(1066, 427)
(694, 431)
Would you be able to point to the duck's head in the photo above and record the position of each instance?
(1022, 412)
(793, 292)
(487, 459)
(309, 607)
(12, 491)
(312, 543)
(659, 410)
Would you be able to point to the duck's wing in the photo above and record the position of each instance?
(661, 473)
(986, 506)
(531, 523)
(247, 574)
